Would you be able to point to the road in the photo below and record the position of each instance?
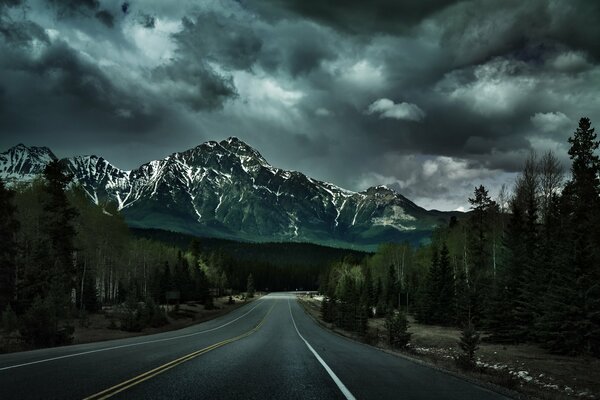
(268, 349)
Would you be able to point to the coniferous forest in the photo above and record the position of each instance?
(523, 267)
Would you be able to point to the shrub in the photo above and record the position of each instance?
(40, 325)
(469, 344)
(155, 315)
(131, 315)
(397, 327)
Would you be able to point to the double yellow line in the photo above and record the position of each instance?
(111, 391)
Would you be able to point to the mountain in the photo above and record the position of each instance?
(228, 190)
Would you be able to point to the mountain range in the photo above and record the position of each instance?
(228, 190)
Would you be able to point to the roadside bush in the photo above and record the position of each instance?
(131, 315)
(397, 328)
(154, 315)
(39, 325)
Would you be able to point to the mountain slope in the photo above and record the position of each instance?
(227, 189)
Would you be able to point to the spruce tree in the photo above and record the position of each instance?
(526, 310)
(428, 312)
(446, 295)
(469, 344)
(391, 288)
(478, 278)
(58, 226)
(581, 205)
(500, 312)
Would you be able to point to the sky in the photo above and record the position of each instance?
(428, 97)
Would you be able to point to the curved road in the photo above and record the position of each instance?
(268, 349)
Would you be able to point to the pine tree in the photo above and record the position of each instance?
(8, 246)
(428, 312)
(581, 210)
(391, 288)
(478, 278)
(500, 312)
(58, 226)
(445, 282)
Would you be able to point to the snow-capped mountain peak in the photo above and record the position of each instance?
(24, 163)
(228, 189)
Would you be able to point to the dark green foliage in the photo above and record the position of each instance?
(392, 288)
(89, 302)
(397, 329)
(8, 246)
(58, 225)
(131, 315)
(446, 289)
(469, 344)
(40, 325)
(438, 298)
(274, 266)
(479, 233)
(154, 315)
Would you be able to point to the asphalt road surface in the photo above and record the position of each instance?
(268, 349)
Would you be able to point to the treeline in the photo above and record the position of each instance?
(524, 267)
(276, 266)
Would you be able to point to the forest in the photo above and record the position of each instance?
(62, 257)
(521, 268)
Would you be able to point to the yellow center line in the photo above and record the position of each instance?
(111, 391)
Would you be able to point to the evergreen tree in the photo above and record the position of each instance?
(469, 344)
(392, 289)
(500, 314)
(479, 272)
(581, 209)
(58, 223)
(429, 296)
(8, 246)
(446, 295)
(396, 324)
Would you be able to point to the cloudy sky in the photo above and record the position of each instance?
(429, 97)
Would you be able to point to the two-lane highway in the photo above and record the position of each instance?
(267, 349)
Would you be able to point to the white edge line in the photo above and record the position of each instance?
(126, 345)
(332, 374)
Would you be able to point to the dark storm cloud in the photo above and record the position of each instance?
(80, 92)
(82, 8)
(429, 97)
(223, 39)
(355, 16)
